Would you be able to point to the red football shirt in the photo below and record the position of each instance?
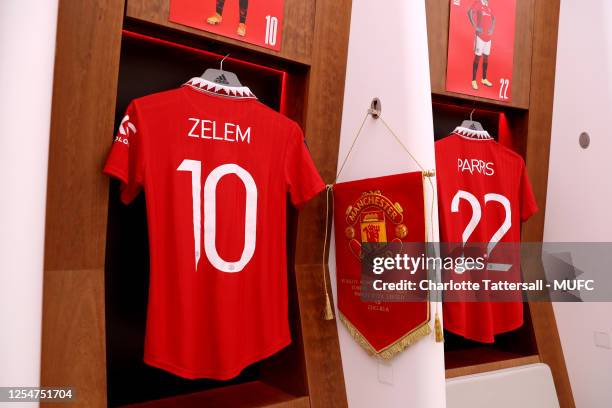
(483, 195)
(216, 166)
(483, 18)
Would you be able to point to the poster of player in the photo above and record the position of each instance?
(257, 22)
(481, 48)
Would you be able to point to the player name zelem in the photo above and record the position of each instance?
(226, 132)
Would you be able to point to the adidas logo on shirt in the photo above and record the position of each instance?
(221, 79)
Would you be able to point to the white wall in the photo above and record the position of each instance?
(27, 52)
(580, 186)
(388, 58)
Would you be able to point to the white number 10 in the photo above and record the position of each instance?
(271, 30)
(210, 213)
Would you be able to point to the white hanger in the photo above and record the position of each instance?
(472, 130)
(219, 76)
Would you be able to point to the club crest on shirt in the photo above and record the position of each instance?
(375, 220)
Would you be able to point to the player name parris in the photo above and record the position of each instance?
(226, 132)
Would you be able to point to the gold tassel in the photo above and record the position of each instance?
(328, 314)
(438, 329)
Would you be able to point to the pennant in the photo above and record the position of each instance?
(374, 213)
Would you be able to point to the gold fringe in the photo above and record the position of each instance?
(328, 314)
(438, 329)
(388, 352)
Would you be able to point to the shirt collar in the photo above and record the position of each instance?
(203, 85)
(472, 134)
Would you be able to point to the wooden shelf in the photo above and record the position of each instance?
(248, 395)
(469, 99)
(483, 359)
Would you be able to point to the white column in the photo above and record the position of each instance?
(579, 186)
(27, 53)
(388, 59)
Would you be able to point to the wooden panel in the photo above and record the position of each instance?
(550, 351)
(540, 113)
(537, 154)
(73, 349)
(321, 344)
(324, 116)
(437, 28)
(86, 66)
(492, 366)
(322, 127)
(247, 395)
(297, 34)
(82, 117)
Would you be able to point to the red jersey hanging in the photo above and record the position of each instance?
(255, 22)
(483, 195)
(216, 166)
(374, 213)
(481, 48)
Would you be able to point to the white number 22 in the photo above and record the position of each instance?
(210, 213)
(503, 88)
(476, 216)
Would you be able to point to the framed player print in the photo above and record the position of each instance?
(255, 22)
(481, 48)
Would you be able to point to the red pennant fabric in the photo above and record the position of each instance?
(378, 211)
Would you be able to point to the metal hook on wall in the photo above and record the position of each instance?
(375, 108)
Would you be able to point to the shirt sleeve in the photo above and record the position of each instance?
(527, 199)
(302, 178)
(126, 160)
